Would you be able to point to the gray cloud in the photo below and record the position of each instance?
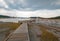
(43, 4)
(32, 4)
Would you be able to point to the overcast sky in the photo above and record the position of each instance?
(28, 8)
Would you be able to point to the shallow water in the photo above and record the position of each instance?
(13, 19)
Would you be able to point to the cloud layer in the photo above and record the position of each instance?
(31, 4)
(39, 13)
(8, 13)
(27, 8)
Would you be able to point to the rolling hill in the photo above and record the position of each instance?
(58, 17)
(3, 16)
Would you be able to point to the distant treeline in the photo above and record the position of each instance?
(58, 17)
(3, 16)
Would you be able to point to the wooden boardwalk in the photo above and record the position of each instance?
(20, 34)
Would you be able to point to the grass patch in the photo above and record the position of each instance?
(10, 25)
(47, 36)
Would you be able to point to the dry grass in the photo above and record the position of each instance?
(10, 25)
(47, 36)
